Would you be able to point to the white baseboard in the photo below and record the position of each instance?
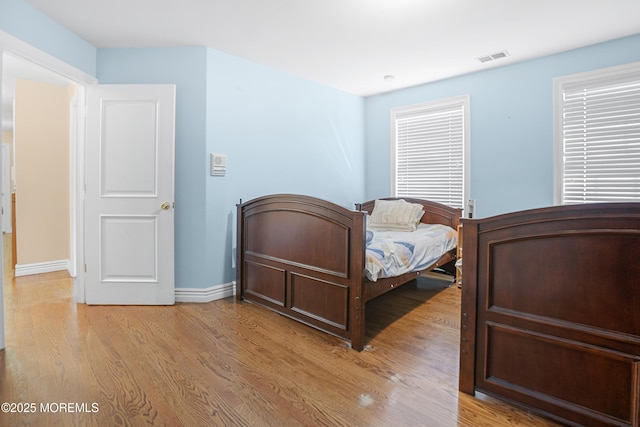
(201, 295)
(41, 267)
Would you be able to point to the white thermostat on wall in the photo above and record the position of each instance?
(218, 164)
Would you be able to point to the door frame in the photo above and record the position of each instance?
(16, 47)
(6, 207)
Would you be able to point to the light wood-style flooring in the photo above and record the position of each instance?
(233, 364)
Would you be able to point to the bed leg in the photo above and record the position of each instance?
(357, 322)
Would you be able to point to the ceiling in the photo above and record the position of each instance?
(353, 44)
(364, 47)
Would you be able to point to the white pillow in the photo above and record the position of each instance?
(396, 215)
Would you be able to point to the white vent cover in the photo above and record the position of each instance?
(494, 56)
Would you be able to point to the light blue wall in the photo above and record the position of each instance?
(511, 125)
(28, 24)
(283, 133)
(280, 134)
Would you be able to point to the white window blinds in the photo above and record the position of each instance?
(600, 131)
(429, 151)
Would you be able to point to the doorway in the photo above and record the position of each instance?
(17, 48)
(36, 155)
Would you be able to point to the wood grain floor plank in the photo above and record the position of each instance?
(236, 364)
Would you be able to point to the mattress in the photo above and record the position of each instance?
(392, 253)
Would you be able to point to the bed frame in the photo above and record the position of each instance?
(551, 311)
(304, 258)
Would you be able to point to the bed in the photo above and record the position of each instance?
(551, 311)
(306, 258)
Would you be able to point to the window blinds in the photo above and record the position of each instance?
(429, 147)
(601, 139)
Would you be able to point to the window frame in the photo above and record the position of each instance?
(587, 79)
(464, 102)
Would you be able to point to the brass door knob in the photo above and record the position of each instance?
(165, 206)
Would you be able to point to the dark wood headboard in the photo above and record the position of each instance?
(435, 213)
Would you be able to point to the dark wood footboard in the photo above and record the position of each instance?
(304, 257)
(551, 311)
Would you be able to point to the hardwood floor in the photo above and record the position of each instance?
(233, 364)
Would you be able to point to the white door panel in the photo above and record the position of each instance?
(128, 249)
(129, 149)
(129, 220)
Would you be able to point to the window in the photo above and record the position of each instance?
(597, 136)
(429, 151)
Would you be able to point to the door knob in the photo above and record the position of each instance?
(165, 206)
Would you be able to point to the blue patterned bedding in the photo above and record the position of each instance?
(392, 253)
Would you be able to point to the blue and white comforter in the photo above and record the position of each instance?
(392, 253)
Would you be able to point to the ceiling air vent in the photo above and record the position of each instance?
(493, 56)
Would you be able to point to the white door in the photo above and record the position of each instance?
(129, 174)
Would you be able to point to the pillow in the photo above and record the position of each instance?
(396, 215)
